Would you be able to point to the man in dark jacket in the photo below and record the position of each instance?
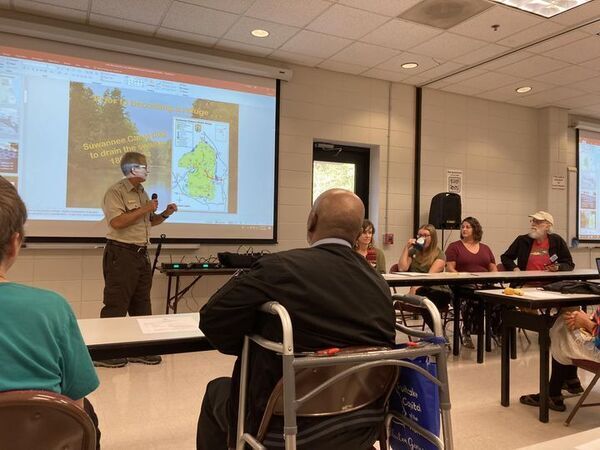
(540, 249)
(334, 298)
(543, 250)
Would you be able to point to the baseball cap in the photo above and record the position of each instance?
(543, 215)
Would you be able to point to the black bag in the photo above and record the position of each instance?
(573, 287)
(238, 260)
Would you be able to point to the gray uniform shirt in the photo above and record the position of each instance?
(123, 197)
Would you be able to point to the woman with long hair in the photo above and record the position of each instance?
(364, 245)
(469, 254)
(423, 255)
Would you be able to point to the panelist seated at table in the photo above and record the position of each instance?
(469, 254)
(364, 246)
(334, 299)
(41, 347)
(423, 255)
(575, 335)
(540, 249)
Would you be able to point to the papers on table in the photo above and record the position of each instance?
(153, 325)
(409, 274)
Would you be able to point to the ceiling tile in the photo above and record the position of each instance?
(464, 89)
(481, 54)
(488, 81)
(591, 85)
(186, 17)
(400, 34)
(532, 34)
(315, 44)
(578, 51)
(506, 60)
(342, 67)
(73, 4)
(557, 42)
(364, 54)
(115, 23)
(295, 58)
(462, 76)
(593, 64)
(593, 28)
(507, 93)
(346, 22)
(387, 75)
(530, 67)
(390, 8)
(395, 64)
(579, 14)
(5, 4)
(548, 97)
(144, 11)
(278, 34)
(581, 102)
(43, 9)
(567, 75)
(232, 6)
(448, 46)
(184, 36)
(239, 47)
(294, 13)
(436, 72)
(510, 21)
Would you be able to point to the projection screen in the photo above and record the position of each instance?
(68, 114)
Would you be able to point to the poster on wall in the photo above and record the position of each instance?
(455, 181)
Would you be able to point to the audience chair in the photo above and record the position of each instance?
(330, 384)
(42, 420)
(590, 366)
(403, 310)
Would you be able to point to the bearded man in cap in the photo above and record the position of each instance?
(540, 249)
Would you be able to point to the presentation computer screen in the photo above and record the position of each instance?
(209, 137)
(588, 184)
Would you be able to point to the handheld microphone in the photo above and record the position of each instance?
(155, 196)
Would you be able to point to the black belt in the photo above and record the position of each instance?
(132, 247)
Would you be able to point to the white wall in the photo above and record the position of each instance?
(496, 147)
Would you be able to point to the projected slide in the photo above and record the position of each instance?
(66, 122)
(589, 186)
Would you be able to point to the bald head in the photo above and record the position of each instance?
(336, 213)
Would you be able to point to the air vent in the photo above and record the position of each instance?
(444, 13)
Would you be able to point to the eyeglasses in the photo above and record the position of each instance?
(141, 166)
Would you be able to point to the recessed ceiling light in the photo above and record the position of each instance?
(523, 89)
(544, 8)
(410, 65)
(260, 33)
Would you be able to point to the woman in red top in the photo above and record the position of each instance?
(469, 255)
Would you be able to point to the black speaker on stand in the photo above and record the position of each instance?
(445, 212)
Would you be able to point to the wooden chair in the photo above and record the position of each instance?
(42, 420)
(590, 366)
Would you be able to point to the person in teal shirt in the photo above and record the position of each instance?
(41, 347)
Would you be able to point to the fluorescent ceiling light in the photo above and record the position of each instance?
(260, 33)
(410, 65)
(544, 8)
(523, 89)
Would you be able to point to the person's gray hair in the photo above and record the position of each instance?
(131, 160)
(13, 215)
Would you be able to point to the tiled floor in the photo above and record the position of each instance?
(156, 407)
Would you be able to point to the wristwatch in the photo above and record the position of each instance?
(164, 216)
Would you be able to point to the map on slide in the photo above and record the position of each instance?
(200, 165)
